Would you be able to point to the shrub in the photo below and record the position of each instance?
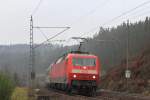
(6, 87)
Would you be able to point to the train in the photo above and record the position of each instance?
(76, 70)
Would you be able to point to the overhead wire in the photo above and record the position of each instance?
(59, 33)
(37, 7)
(82, 34)
(135, 14)
(117, 17)
(142, 14)
(47, 39)
(126, 12)
(140, 10)
(90, 12)
(43, 33)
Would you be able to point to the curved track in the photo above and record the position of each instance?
(54, 94)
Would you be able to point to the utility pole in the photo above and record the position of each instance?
(127, 48)
(32, 56)
(127, 72)
(32, 50)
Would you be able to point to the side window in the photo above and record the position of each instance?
(63, 58)
(59, 60)
(66, 60)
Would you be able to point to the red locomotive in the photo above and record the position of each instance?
(75, 70)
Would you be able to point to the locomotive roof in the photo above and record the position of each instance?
(78, 53)
(75, 54)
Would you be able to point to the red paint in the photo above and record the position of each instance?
(63, 70)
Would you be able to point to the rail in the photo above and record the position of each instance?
(103, 95)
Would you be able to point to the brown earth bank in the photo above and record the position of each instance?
(140, 75)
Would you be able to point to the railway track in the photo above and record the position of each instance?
(122, 95)
(54, 94)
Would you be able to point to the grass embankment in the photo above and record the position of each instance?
(20, 94)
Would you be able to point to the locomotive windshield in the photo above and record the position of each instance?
(84, 61)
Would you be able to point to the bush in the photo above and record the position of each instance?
(6, 87)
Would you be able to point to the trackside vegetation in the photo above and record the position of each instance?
(20, 93)
(6, 87)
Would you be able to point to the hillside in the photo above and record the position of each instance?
(113, 50)
(140, 75)
(14, 59)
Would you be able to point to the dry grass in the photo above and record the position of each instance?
(20, 94)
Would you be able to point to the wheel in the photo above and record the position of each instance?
(69, 90)
(92, 91)
(63, 87)
(59, 86)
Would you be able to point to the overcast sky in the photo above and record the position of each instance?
(81, 15)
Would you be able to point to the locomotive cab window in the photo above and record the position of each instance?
(84, 61)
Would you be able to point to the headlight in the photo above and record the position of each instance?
(94, 77)
(74, 76)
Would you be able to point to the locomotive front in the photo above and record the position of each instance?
(84, 72)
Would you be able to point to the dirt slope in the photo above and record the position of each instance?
(140, 77)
